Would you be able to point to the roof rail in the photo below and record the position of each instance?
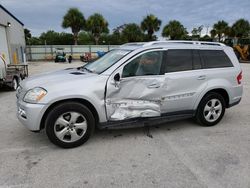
(134, 44)
(183, 42)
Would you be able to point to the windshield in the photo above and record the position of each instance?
(106, 61)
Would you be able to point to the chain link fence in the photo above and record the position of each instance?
(48, 52)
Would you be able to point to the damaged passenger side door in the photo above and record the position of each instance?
(134, 90)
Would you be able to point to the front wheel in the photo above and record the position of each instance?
(69, 124)
(211, 109)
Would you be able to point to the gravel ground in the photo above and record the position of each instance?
(178, 154)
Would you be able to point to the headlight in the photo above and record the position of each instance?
(34, 95)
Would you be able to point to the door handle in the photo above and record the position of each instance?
(155, 85)
(202, 77)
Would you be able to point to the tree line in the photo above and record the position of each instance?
(94, 30)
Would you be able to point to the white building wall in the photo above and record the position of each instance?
(4, 51)
(15, 36)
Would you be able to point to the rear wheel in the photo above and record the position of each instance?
(69, 124)
(211, 109)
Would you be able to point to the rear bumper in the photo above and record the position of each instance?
(234, 103)
(30, 115)
(235, 95)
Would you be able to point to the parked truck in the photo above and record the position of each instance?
(12, 74)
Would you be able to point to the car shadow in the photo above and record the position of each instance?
(149, 131)
(4, 89)
(40, 140)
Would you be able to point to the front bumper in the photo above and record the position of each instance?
(30, 115)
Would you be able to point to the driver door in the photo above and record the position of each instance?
(134, 90)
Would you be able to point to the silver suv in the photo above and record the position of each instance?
(137, 84)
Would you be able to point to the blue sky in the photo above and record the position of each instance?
(42, 15)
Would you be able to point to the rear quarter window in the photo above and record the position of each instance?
(178, 60)
(215, 59)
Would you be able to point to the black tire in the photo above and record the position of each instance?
(61, 109)
(200, 114)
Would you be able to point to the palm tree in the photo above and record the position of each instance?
(213, 33)
(117, 37)
(97, 25)
(241, 28)
(150, 24)
(132, 33)
(175, 30)
(75, 20)
(221, 29)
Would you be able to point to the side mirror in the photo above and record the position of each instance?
(117, 77)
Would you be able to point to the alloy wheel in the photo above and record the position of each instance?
(70, 127)
(212, 110)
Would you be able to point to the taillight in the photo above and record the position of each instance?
(239, 78)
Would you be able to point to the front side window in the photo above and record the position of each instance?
(106, 61)
(178, 60)
(146, 64)
(215, 59)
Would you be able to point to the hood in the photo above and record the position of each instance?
(56, 77)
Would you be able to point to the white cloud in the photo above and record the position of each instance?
(39, 16)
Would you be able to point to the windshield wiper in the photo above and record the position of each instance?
(84, 68)
(87, 69)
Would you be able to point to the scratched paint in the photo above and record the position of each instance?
(126, 109)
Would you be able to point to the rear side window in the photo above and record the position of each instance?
(178, 60)
(215, 59)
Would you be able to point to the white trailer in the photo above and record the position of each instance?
(12, 45)
(11, 75)
(4, 50)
